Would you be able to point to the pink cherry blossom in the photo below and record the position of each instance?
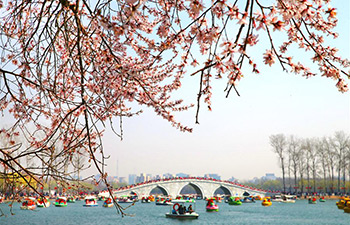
(269, 57)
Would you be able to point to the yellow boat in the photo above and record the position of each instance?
(266, 202)
(347, 207)
(342, 202)
(258, 197)
(151, 198)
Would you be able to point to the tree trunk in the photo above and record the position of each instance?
(289, 179)
(78, 181)
(344, 178)
(332, 168)
(302, 183)
(339, 168)
(349, 178)
(308, 179)
(339, 179)
(324, 179)
(295, 180)
(284, 181)
(314, 176)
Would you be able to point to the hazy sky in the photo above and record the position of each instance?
(233, 139)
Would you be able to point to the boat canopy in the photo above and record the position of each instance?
(104, 194)
(183, 201)
(90, 197)
(290, 196)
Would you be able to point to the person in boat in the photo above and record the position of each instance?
(189, 209)
(184, 209)
(174, 211)
(181, 210)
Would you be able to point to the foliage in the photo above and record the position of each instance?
(276, 185)
(116, 185)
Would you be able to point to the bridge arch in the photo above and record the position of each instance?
(222, 190)
(163, 190)
(246, 193)
(196, 187)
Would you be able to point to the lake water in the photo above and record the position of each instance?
(249, 213)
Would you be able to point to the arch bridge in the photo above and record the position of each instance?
(204, 187)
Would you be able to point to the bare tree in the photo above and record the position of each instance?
(348, 163)
(323, 155)
(311, 157)
(314, 160)
(330, 160)
(306, 146)
(289, 168)
(279, 144)
(78, 163)
(302, 167)
(339, 144)
(294, 155)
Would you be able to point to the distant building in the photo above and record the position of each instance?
(132, 178)
(168, 175)
(148, 177)
(141, 178)
(112, 179)
(255, 180)
(182, 175)
(158, 177)
(270, 176)
(122, 180)
(212, 175)
(232, 179)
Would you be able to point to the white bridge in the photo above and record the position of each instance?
(204, 187)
